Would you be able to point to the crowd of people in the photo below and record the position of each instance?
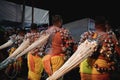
(41, 53)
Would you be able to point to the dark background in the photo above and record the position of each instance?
(72, 10)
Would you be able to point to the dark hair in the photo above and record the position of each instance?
(56, 18)
(100, 20)
(33, 26)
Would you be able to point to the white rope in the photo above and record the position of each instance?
(83, 51)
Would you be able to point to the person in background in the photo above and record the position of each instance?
(31, 46)
(14, 69)
(34, 60)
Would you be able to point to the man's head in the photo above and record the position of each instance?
(108, 26)
(21, 32)
(33, 27)
(57, 20)
(100, 23)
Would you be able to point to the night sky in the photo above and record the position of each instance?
(72, 10)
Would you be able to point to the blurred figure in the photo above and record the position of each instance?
(34, 60)
(115, 74)
(14, 69)
(102, 63)
(59, 41)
